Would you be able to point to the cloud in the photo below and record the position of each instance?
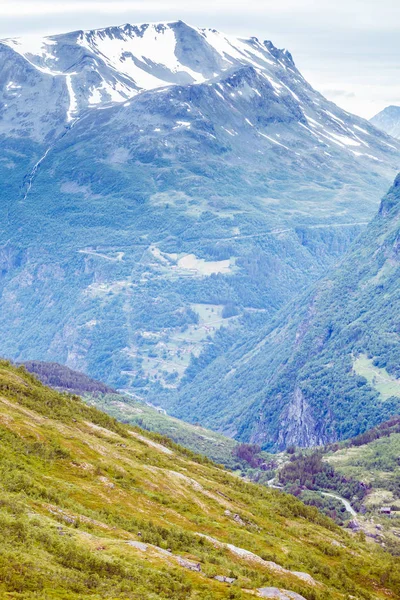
(344, 14)
(26, 7)
(332, 93)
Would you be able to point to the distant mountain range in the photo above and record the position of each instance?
(165, 191)
(388, 120)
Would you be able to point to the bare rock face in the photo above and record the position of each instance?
(354, 525)
(298, 426)
(138, 545)
(189, 564)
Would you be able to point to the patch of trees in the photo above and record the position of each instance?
(63, 378)
(331, 507)
(383, 430)
(310, 472)
(250, 455)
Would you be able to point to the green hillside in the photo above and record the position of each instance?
(130, 409)
(194, 437)
(91, 509)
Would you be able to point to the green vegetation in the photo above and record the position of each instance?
(309, 471)
(194, 437)
(65, 379)
(378, 378)
(364, 470)
(328, 505)
(373, 458)
(94, 509)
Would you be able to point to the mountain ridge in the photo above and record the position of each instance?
(388, 120)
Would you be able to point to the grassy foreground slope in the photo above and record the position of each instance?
(131, 411)
(90, 508)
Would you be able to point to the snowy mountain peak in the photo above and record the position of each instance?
(93, 68)
(388, 120)
(124, 60)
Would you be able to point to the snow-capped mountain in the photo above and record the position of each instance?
(388, 120)
(150, 171)
(114, 64)
(55, 79)
(90, 68)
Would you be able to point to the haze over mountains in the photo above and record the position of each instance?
(167, 190)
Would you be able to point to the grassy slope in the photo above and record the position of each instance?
(77, 487)
(124, 408)
(378, 378)
(196, 438)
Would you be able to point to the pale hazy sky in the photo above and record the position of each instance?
(347, 49)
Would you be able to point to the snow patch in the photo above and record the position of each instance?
(190, 262)
(73, 104)
(156, 46)
(272, 140)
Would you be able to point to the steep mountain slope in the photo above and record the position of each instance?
(388, 120)
(329, 367)
(133, 231)
(91, 508)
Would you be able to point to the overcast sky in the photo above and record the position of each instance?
(348, 49)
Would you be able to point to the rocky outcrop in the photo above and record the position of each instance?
(299, 426)
(279, 594)
(224, 579)
(249, 556)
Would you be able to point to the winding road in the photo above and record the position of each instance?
(346, 503)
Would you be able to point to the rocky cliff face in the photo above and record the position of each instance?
(298, 425)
